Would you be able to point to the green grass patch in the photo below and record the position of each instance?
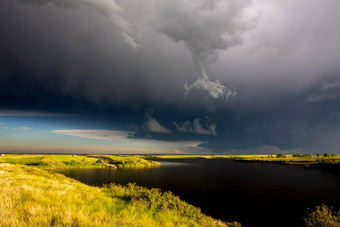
(126, 161)
(53, 161)
(78, 161)
(22, 160)
(291, 159)
(296, 159)
(33, 197)
(186, 156)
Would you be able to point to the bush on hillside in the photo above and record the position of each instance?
(322, 216)
(281, 156)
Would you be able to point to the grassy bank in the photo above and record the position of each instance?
(34, 197)
(297, 159)
(52, 161)
(186, 156)
(75, 161)
(126, 161)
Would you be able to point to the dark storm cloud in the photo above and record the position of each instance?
(294, 46)
(109, 9)
(83, 40)
(114, 60)
(78, 44)
(205, 27)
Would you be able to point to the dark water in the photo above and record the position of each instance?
(255, 194)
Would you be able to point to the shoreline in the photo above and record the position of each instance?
(36, 197)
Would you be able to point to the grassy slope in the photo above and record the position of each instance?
(34, 197)
(120, 161)
(126, 161)
(52, 161)
(200, 156)
(289, 159)
(70, 161)
(186, 156)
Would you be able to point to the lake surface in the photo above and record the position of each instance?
(254, 194)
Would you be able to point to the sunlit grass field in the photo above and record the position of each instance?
(77, 161)
(298, 159)
(126, 161)
(52, 161)
(34, 197)
(122, 161)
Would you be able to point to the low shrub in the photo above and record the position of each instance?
(281, 156)
(301, 155)
(322, 216)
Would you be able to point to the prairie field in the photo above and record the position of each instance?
(34, 197)
(77, 161)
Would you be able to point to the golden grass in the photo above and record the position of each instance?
(200, 156)
(34, 197)
(77, 161)
(131, 161)
(291, 159)
(286, 159)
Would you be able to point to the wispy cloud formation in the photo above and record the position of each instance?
(178, 151)
(97, 134)
(328, 91)
(322, 97)
(152, 125)
(22, 128)
(128, 140)
(82, 150)
(328, 86)
(213, 89)
(196, 126)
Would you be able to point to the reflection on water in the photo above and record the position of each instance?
(174, 163)
(255, 194)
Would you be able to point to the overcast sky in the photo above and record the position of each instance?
(165, 76)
